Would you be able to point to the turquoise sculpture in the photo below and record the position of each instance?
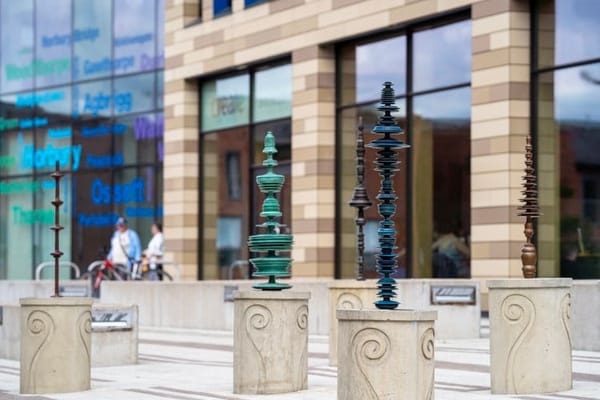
(386, 166)
(271, 243)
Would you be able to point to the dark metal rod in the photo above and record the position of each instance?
(360, 200)
(57, 202)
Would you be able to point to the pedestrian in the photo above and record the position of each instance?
(125, 247)
(154, 252)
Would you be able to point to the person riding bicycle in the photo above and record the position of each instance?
(125, 246)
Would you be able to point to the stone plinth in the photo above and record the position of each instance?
(270, 342)
(585, 329)
(530, 340)
(55, 345)
(347, 295)
(385, 354)
(454, 320)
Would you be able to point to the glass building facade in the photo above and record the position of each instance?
(430, 66)
(566, 82)
(236, 112)
(81, 84)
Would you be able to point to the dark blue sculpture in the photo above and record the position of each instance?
(386, 166)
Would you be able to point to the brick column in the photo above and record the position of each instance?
(180, 165)
(313, 161)
(499, 125)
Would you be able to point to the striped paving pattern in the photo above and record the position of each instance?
(198, 365)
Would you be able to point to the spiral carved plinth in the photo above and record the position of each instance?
(530, 339)
(55, 345)
(384, 354)
(347, 295)
(270, 347)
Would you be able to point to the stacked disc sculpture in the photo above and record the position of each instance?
(271, 243)
(530, 210)
(387, 258)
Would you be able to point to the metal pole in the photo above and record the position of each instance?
(360, 200)
(530, 210)
(57, 202)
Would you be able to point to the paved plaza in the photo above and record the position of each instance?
(198, 365)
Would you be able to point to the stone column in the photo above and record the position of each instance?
(385, 354)
(530, 339)
(270, 342)
(55, 345)
(347, 294)
(499, 126)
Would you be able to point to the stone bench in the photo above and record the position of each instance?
(114, 334)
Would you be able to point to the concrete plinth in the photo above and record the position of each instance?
(530, 340)
(585, 330)
(455, 320)
(270, 342)
(55, 345)
(385, 354)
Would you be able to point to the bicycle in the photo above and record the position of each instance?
(104, 270)
(145, 269)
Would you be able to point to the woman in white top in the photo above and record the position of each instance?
(155, 251)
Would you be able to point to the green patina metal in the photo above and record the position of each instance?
(272, 264)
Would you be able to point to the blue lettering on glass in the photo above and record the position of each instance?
(147, 129)
(97, 219)
(35, 122)
(59, 133)
(100, 130)
(148, 62)
(101, 102)
(122, 102)
(106, 65)
(79, 35)
(97, 103)
(103, 193)
(32, 100)
(47, 157)
(104, 161)
(136, 39)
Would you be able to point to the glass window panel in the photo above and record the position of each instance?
(442, 56)
(377, 62)
(53, 42)
(576, 30)
(134, 37)
(441, 121)
(54, 143)
(93, 100)
(53, 105)
(17, 152)
(94, 137)
(346, 165)
(93, 216)
(16, 112)
(221, 7)
(133, 197)
(160, 33)
(16, 55)
(17, 216)
(272, 93)
(248, 3)
(92, 40)
(218, 206)
(133, 94)
(225, 102)
(137, 144)
(160, 88)
(573, 126)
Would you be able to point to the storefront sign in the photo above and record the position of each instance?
(104, 193)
